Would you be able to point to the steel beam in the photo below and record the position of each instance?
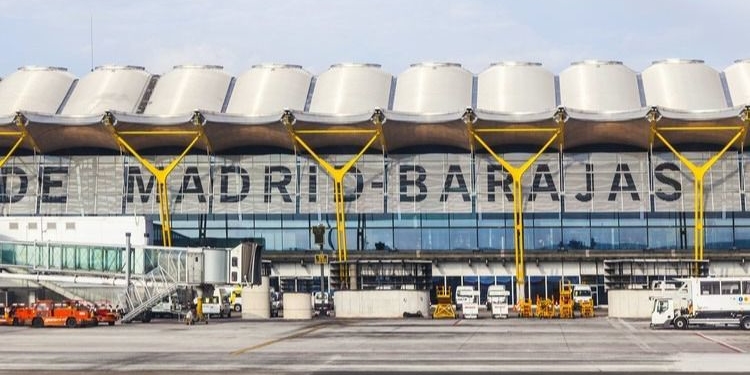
(337, 174)
(161, 174)
(516, 173)
(21, 134)
(697, 170)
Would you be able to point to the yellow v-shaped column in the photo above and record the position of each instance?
(160, 173)
(337, 174)
(555, 133)
(20, 135)
(698, 171)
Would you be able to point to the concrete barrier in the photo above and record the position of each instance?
(256, 301)
(381, 303)
(297, 305)
(636, 303)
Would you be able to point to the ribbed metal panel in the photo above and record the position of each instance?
(738, 81)
(111, 87)
(268, 89)
(599, 86)
(515, 87)
(433, 88)
(687, 85)
(187, 88)
(350, 89)
(34, 89)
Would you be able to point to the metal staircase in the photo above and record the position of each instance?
(145, 294)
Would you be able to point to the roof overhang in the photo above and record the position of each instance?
(144, 132)
(227, 131)
(54, 132)
(403, 130)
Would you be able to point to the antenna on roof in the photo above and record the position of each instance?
(91, 39)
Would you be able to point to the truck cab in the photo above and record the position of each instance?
(582, 293)
(663, 312)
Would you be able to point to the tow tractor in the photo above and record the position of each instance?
(710, 301)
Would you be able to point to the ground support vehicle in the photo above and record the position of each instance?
(106, 315)
(713, 301)
(497, 301)
(235, 298)
(582, 293)
(69, 314)
(464, 293)
(277, 304)
(566, 301)
(7, 316)
(217, 305)
(444, 308)
(322, 303)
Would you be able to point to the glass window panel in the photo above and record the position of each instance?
(718, 218)
(604, 219)
(379, 220)
(632, 238)
(632, 219)
(742, 218)
(544, 219)
(297, 239)
(268, 221)
(463, 239)
(536, 288)
(605, 238)
(407, 239)
(406, 220)
(495, 238)
(435, 220)
(719, 238)
(296, 221)
(435, 239)
(463, 220)
(542, 238)
(379, 239)
(576, 220)
(576, 238)
(662, 238)
(742, 237)
(273, 238)
(494, 220)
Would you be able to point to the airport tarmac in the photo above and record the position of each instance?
(364, 346)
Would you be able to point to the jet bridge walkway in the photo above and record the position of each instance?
(152, 273)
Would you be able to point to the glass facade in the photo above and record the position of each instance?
(469, 232)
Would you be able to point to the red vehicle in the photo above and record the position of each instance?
(22, 315)
(106, 314)
(70, 314)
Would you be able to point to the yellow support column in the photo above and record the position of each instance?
(21, 134)
(698, 171)
(517, 175)
(337, 174)
(160, 173)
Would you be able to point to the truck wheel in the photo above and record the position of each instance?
(70, 323)
(745, 323)
(37, 322)
(681, 323)
(15, 322)
(111, 323)
(238, 308)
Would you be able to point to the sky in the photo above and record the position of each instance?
(394, 33)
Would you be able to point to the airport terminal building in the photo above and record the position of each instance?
(468, 171)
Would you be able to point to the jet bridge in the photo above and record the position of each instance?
(146, 273)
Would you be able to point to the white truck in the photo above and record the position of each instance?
(497, 301)
(581, 292)
(218, 304)
(712, 301)
(467, 300)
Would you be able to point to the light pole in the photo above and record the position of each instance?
(319, 232)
